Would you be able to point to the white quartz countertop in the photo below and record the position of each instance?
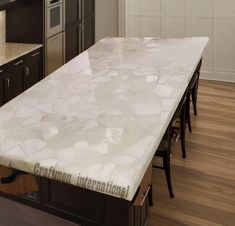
(12, 51)
(97, 121)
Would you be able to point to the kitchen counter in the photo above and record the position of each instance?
(100, 117)
(12, 51)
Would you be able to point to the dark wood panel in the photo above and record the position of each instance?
(24, 24)
(72, 41)
(15, 214)
(2, 71)
(89, 31)
(71, 11)
(89, 6)
(83, 203)
(34, 69)
(13, 79)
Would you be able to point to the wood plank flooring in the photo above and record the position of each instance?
(204, 183)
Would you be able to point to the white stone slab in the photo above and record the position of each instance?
(103, 114)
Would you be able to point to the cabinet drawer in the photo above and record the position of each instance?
(18, 63)
(34, 56)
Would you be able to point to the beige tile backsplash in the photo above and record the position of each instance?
(2, 26)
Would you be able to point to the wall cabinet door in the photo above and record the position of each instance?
(33, 69)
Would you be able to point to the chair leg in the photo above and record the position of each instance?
(166, 165)
(188, 117)
(194, 97)
(182, 130)
(150, 196)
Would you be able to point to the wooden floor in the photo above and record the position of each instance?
(204, 183)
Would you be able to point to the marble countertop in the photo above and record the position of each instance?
(12, 51)
(96, 122)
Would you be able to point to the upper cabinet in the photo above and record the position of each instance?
(6, 4)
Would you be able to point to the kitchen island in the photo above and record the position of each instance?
(89, 131)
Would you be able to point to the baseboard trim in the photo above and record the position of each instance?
(222, 77)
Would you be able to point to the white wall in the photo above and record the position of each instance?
(106, 18)
(2, 26)
(180, 18)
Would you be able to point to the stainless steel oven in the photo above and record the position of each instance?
(54, 17)
(55, 38)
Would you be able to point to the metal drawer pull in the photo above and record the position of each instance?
(145, 195)
(18, 63)
(26, 71)
(8, 82)
(139, 204)
(35, 54)
(1, 71)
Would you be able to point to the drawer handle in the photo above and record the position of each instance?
(1, 71)
(35, 54)
(145, 195)
(8, 81)
(27, 71)
(18, 63)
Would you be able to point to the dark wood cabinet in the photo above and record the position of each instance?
(72, 41)
(79, 27)
(90, 208)
(71, 11)
(84, 205)
(19, 75)
(88, 24)
(13, 80)
(2, 71)
(8, 4)
(88, 31)
(33, 69)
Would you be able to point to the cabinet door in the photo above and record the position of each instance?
(88, 23)
(1, 86)
(71, 11)
(82, 204)
(89, 6)
(33, 69)
(71, 41)
(88, 31)
(13, 80)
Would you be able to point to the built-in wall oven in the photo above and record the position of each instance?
(55, 36)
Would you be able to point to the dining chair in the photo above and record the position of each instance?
(164, 149)
(192, 92)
